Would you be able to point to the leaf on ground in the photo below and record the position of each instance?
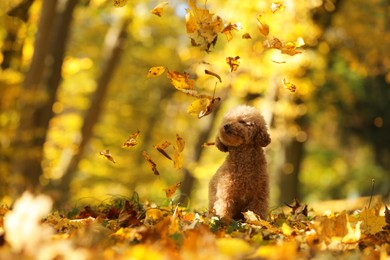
(372, 222)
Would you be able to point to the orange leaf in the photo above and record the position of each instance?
(203, 106)
(171, 190)
(229, 28)
(151, 163)
(263, 27)
(132, 140)
(233, 63)
(161, 146)
(246, 36)
(158, 9)
(288, 85)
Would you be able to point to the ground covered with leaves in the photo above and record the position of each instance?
(127, 228)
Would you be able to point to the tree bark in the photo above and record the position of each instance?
(28, 153)
(112, 50)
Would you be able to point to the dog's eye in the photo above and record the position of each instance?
(242, 122)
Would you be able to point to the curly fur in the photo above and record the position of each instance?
(241, 183)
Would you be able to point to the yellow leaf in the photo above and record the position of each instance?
(288, 85)
(155, 71)
(180, 143)
(286, 229)
(203, 106)
(276, 6)
(246, 36)
(233, 247)
(171, 190)
(181, 81)
(229, 28)
(158, 9)
(372, 222)
(106, 154)
(263, 27)
(178, 159)
(120, 3)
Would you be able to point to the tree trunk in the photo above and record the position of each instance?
(112, 50)
(28, 151)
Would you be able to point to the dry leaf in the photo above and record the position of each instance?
(161, 146)
(181, 81)
(120, 3)
(278, 62)
(213, 74)
(207, 144)
(229, 28)
(246, 36)
(155, 71)
(151, 163)
(178, 159)
(171, 190)
(263, 27)
(107, 155)
(158, 9)
(201, 27)
(276, 6)
(132, 140)
(233, 63)
(288, 85)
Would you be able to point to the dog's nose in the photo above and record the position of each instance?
(226, 127)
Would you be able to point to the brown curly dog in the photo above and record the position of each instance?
(241, 183)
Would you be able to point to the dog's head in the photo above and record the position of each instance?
(243, 125)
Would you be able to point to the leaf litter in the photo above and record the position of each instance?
(127, 228)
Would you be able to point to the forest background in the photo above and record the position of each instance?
(74, 83)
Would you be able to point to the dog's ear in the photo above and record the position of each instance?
(220, 145)
(262, 137)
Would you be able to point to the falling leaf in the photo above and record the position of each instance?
(107, 155)
(201, 27)
(288, 85)
(178, 160)
(180, 143)
(246, 36)
(132, 140)
(276, 6)
(233, 63)
(275, 43)
(181, 81)
(387, 215)
(161, 146)
(158, 9)
(203, 106)
(120, 3)
(155, 71)
(151, 163)
(207, 144)
(229, 28)
(171, 190)
(263, 27)
(213, 74)
(278, 62)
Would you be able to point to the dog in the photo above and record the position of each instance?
(242, 182)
